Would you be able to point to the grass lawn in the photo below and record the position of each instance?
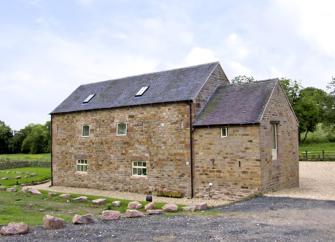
(26, 157)
(28, 208)
(327, 146)
(28, 175)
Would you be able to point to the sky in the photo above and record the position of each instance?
(50, 47)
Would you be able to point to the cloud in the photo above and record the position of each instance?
(199, 55)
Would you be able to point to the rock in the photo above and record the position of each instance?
(34, 191)
(14, 229)
(11, 189)
(110, 215)
(25, 189)
(116, 204)
(201, 206)
(132, 213)
(51, 194)
(154, 211)
(4, 178)
(3, 188)
(134, 205)
(18, 177)
(51, 222)
(82, 219)
(190, 208)
(149, 206)
(80, 199)
(99, 201)
(65, 195)
(170, 207)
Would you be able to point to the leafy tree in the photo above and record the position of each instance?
(242, 79)
(16, 142)
(292, 90)
(37, 139)
(331, 86)
(5, 136)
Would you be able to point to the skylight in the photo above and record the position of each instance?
(89, 97)
(141, 91)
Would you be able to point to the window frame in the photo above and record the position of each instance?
(274, 141)
(117, 129)
(226, 129)
(133, 166)
(83, 163)
(82, 130)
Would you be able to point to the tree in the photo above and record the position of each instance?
(292, 90)
(242, 79)
(5, 136)
(331, 86)
(37, 139)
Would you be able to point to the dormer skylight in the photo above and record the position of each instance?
(89, 97)
(141, 91)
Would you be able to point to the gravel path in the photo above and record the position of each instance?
(260, 219)
(317, 181)
(127, 195)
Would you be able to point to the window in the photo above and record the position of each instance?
(121, 129)
(139, 168)
(224, 131)
(274, 141)
(142, 91)
(89, 97)
(82, 165)
(85, 131)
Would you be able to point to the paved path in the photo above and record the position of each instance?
(127, 195)
(260, 219)
(317, 181)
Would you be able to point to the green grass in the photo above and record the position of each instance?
(28, 208)
(327, 146)
(26, 157)
(28, 175)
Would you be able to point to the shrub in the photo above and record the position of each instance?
(166, 193)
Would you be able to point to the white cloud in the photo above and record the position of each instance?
(199, 55)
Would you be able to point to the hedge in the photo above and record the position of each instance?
(18, 164)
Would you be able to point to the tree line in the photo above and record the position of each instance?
(33, 139)
(311, 105)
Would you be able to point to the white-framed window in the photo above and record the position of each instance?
(224, 131)
(85, 130)
(81, 165)
(274, 127)
(139, 168)
(121, 129)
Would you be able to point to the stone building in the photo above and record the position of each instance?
(185, 131)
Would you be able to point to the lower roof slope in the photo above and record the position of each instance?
(237, 104)
(167, 86)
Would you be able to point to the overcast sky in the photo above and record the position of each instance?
(48, 48)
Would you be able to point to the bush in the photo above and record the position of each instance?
(166, 193)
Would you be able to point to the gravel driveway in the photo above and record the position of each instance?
(260, 219)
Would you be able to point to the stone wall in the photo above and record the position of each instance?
(157, 134)
(231, 164)
(283, 172)
(217, 78)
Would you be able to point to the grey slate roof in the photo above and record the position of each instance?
(166, 86)
(236, 104)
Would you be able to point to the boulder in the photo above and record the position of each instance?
(80, 199)
(116, 204)
(82, 219)
(170, 207)
(14, 229)
(11, 189)
(3, 188)
(149, 206)
(190, 208)
(34, 191)
(134, 205)
(51, 194)
(201, 206)
(18, 177)
(25, 189)
(65, 195)
(133, 213)
(51, 222)
(110, 215)
(99, 201)
(4, 178)
(154, 211)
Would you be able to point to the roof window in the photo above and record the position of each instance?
(89, 97)
(141, 91)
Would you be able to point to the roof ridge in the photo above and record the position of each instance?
(154, 72)
(249, 83)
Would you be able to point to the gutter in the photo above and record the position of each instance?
(191, 150)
